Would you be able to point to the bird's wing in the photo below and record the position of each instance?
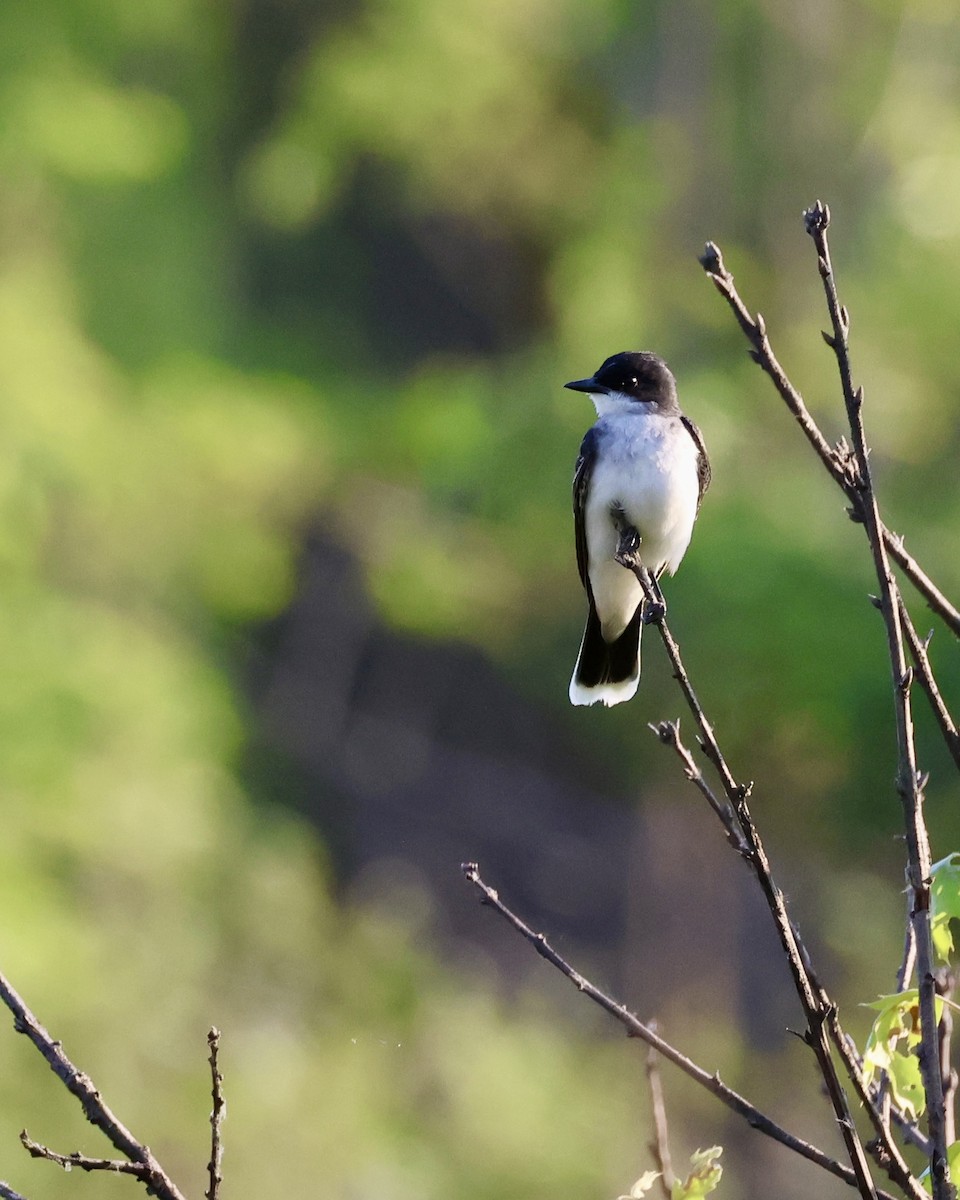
(581, 484)
(703, 462)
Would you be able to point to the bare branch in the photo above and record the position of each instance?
(76, 1159)
(669, 734)
(935, 599)
(815, 1006)
(837, 460)
(946, 984)
(884, 1149)
(909, 786)
(660, 1144)
(216, 1117)
(7, 1192)
(636, 1028)
(925, 677)
(92, 1103)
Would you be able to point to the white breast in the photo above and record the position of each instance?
(647, 465)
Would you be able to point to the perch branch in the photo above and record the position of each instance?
(812, 1002)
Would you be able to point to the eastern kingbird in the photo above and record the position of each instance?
(643, 462)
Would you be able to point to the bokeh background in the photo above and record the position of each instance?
(288, 292)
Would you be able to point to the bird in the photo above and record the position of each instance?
(642, 464)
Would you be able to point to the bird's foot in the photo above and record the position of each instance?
(654, 604)
(628, 547)
(654, 611)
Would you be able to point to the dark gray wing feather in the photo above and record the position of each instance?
(703, 462)
(581, 483)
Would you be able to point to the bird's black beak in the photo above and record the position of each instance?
(586, 385)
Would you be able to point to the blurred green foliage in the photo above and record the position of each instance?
(218, 224)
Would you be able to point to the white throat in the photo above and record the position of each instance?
(610, 404)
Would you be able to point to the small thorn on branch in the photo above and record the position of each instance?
(829, 339)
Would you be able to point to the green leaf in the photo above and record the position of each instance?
(944, 903)
(704, 1176)
(891, 1047)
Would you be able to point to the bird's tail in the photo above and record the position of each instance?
(607, 672)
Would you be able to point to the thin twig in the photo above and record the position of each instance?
(94, 1108)
(838, 460)
(660, 1143)
(669, 734)
(925, 677)
(216, 1117)
(909, 783)
(119, 1166)
(7, 1192)
(797, 957)
(881, 1094)
(636, 1028)
(946, 983)
(935, 599)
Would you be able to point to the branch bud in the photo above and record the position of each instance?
(712, 260)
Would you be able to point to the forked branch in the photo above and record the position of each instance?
(137, 1159)
(638, 1029)
(849, 466)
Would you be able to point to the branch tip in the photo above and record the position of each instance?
(816, 218)
(712, 260)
